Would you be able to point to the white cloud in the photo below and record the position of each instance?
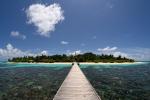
(77, 52)
(10, 52)
(107, 49)
(118, 53)
(45, 17)
(44, 52)
(64, 42)
(112, 50)
(139, 53)
(134, 53)
(17, 35)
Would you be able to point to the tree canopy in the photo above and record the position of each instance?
(86, 57)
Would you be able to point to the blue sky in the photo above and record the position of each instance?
(119, 27)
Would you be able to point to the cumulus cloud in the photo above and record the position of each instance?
(118, 53)
(112, 50)
(9, 52)
(45, 17)
(44, 52)
(17, 34)
(134, 53)
(139, 53)
(77, 52)
(64, 42)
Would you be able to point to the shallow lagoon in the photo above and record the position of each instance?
(120, 81)
(31, 81)
(41, 81)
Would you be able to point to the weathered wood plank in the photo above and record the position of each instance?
(76, 87)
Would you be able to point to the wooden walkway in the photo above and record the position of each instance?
(76, 87)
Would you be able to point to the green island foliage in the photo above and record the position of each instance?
(86, 57)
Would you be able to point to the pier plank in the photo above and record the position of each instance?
(76, 87)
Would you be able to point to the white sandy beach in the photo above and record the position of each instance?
(101, 63)
(92, 63)
(39, 63)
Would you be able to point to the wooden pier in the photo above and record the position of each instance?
(76, 87)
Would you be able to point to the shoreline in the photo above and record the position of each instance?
(90, 63)
(115, 63)
(39, 63)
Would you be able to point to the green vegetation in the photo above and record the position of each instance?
(86, 57)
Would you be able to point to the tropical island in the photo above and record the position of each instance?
(86, 57)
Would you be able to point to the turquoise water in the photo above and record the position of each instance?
(31, 81)
(120, 81)
(4, 64)
(25, 65)
(23, 81)
(113, 65)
